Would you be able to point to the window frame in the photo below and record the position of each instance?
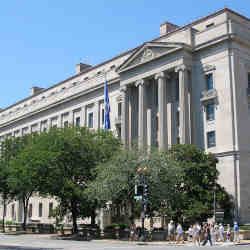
(209, 143)
(210, 116)
(91, 120)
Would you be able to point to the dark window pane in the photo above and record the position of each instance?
(78, 120)
(249, 80)
(210, 112)
(119, 109)
(102, 116)
(211, 139)
(30, 211)
(91, 120)
(40, 212)
(209, 81)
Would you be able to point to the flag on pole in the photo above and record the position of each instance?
(106, 106)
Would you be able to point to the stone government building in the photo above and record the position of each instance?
(189, 85)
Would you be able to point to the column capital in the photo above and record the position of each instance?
(161, 75)
(182, 67)
(140, 82)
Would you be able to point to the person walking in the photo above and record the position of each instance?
(207, 235)
(221, 232)
(171, 231)
(228, 233)
(196, 234)
(190, 233)
(236, 232)
(213, 234)
(179, 232)
(216, 230)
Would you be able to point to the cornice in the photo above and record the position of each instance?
(54, 104)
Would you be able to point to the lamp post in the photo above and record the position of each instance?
(142, 180)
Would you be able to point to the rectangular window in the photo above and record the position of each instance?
(65, 124)
(178, 119)
(177, 90)
(210, 112)
(178, 141)
(40, 212)
(209, 81)
(30, 211)
(248, 81)
(102, 116)
(50, 209)
(211, 139)
(13, 212)
(91, 120)
(119, 109)
(78, 121)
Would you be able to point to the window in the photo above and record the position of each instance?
(13, 214)
(211, 139)
(40, 212)
(209, 81)
(30, 211)
(66, 124)
(119, 109)
(248, 81)
(178, 119)
(91, 120)
(119, 132)
(178, 140)
(210, 112)
(177, 90)
(50, 209)
(103, 116)
(209, 25)
(78, 121)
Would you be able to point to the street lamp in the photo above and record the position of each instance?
(142, 183)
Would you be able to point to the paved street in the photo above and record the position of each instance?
(43, 242)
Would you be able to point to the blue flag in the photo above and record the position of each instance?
(107, 107)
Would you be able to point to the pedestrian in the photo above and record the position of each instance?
(171, 231)
(216, 230)
(196, 234)
(213, 234)
(207, 235)
(228, 232)
(190, 233)
(236, 232)
(179, 232)
(221, 232)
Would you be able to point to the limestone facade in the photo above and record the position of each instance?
(189, 85)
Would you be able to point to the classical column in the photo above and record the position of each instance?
(184, 104)
(142, 116)
(162, 108)
(125, 115)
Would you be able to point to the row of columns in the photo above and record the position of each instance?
(144, 115)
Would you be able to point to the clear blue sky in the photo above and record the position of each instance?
(42, 40)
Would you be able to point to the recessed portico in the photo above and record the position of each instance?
(158, 111)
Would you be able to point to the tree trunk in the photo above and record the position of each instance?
(74, 218)
(93, 216)
(4, 212)
(25, 209)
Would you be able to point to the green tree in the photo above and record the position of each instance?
(75, 152)
(10, 148)
(27, 171)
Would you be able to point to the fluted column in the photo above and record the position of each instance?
(125, 115)
(142, 116)
(162, 108)
(184, 104)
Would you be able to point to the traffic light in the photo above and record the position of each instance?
(138, 190)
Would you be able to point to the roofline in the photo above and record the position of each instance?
(132, 50)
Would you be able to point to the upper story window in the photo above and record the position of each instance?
(78, 121)
(209, 25)
(119, 109)
(209, 81)
(210, 111)
(91, 120)
(30, 210)
(211, 140)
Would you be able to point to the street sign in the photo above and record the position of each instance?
(138, 198)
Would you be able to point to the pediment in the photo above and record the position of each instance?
(148, 52)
